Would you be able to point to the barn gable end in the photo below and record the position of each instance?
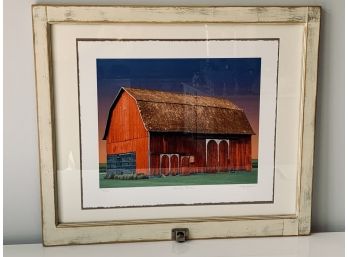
(127, 133)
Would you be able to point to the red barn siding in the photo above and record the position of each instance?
(223, 156)
(184, 145)
(234, 155)
(237, 155)
(248, 158)
(185, 165)
(155, 164)
(212, 155)
(127, 132)
(240, 154)
(165, 165)
(174, 161)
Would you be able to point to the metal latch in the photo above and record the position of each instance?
(180, 234)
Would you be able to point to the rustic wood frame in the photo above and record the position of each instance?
(160, 229)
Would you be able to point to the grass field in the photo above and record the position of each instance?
(102, 167)
(241, 177)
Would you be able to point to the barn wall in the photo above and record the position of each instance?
(127, 132)
(235, 155)
(240, 154)
(177, 144)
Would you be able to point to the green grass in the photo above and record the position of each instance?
(241, 177)
(255, 163)
(102, 167)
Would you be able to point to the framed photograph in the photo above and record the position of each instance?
(175, 123)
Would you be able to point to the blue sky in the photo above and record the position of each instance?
(213, 76)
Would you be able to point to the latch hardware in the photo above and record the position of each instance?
(180, 234)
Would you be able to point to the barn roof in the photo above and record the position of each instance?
(175, 112)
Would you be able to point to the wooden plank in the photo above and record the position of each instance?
(126, 122)
(165, 165)
(233, 154)
(176, 14)
(45, 122)
(243, 153)
(127, 132)
(154, 232)
(174, 164)
(290, 227)
(212, 153)
(248, 154)
(309, 104)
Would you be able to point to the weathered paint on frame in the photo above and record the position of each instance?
(102, 232)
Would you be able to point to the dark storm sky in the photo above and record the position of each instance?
(212, 76)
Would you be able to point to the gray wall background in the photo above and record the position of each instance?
(22, 218)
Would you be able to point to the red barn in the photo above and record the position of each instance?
(155, 132)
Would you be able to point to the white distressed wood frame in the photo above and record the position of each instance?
(160, 229)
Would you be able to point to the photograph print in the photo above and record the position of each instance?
(178, 121)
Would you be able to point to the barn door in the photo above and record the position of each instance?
(165, 165)
(174, 164)
(223, 156)
(155, 165)
(212, 156)
(185, 163)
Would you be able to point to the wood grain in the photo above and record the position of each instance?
(45, 121)
(309, 104)
(176, 14)
(127, 132)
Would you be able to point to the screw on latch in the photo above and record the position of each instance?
(180, 234)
